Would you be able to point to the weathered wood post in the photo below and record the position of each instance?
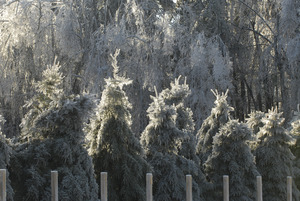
(259, 188)
(289, 188)
(149, 183)
(103, 186)
(189, 194)
(54, 186)
(3, 185)
(226, 187)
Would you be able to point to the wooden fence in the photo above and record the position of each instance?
(149, 183)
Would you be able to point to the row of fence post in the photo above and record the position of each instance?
(149, 183)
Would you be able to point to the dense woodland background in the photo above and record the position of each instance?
(251, 47)
(200, 87)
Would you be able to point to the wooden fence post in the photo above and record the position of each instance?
(103, 186)
(54, 186)
(226, 187)
(3, 185)
(189, 185)
(259, 188)
(149, 183)
(289, 188)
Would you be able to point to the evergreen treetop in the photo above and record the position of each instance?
(176, 95)
(274, 158)
(189, 162)
(177, 92)
(255, 121)
(49, 91)
(220, 115)
(274, 130)
(53, 140)
(114, 104)
(112, 144)
(161, 134)
(114, 100)
(162, 141)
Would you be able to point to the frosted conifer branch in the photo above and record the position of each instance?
(114, 62)
(156, 94)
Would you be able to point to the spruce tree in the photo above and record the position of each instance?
(161, 140)
(219, 116)
(176, 96)
(48, 91)
(274, 158)
(52, 139)
(5, 154)
(112, 144)
(232, 156)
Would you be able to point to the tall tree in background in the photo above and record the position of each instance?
(219, 116)
(232, 156)
(250, 47)
(274, 158)
(113, 146)
(52, 139)
(289, 49)
(210, 68)
(161, 141)
(5, 154)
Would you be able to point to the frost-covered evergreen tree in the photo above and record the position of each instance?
(176, 96)
(232, 156)
(161, 140)
(184, 121)
(255, 121)
(274, 158)
(113, 146)
(219, 116)
(49, 91)
(52, 139)
(5, 154)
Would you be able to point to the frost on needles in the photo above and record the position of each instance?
(52, 139)
(232, 156)
(220, 115)
(176, 95)
(162, 141)
(274, 159)
(112, 144)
